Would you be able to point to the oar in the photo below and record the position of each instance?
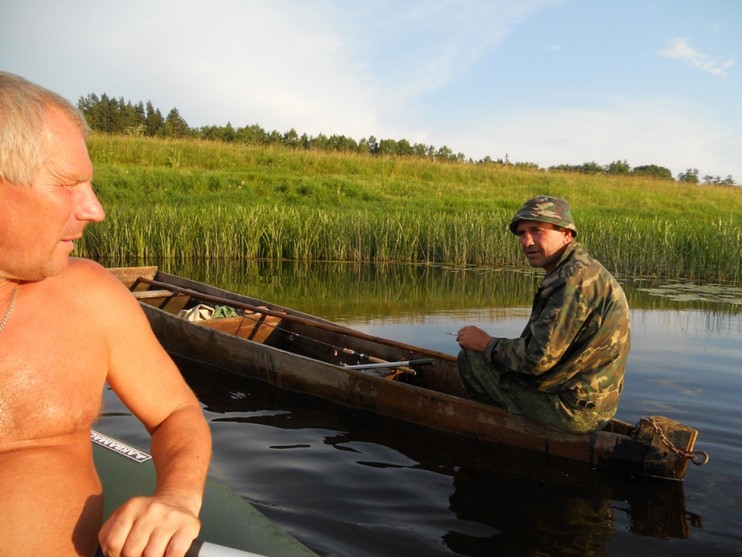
(288, 317)
(200, 548)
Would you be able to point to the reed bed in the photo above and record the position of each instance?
(189, 200)
(658, 247)
(266, 232)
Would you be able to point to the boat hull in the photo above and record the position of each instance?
(308, 355)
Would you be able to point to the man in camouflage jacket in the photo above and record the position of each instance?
(566, 370)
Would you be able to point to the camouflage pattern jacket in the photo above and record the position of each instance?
(577, 340)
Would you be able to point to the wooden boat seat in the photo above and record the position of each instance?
(147, 294)
(167, 300)
(252, 326)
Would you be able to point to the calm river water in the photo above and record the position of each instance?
(352, 485)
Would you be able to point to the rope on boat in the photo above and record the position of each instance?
(699, 458)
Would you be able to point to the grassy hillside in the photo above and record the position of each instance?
(191, 199)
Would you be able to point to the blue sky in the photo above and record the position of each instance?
(541, 81)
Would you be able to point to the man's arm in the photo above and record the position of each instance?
(555, 322)
(169, 519)
(549, 333)
(150, 385)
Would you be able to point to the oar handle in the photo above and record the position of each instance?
(200, 548)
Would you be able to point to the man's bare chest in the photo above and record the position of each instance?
(51, 380)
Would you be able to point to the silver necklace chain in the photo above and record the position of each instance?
(9, 310)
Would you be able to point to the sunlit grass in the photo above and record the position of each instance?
(197, 200)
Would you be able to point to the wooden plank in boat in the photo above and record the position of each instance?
(253, 327)
(129, 275)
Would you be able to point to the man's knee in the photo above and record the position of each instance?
(481, 380)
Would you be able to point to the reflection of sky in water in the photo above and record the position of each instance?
(709, 340)
(431, 331)
(686, 346)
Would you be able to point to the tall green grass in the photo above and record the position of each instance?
(196, 200)
(298, 233)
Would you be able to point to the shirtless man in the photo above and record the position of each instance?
(66, 327)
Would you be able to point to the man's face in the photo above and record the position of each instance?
(542, 243)
(41, 221)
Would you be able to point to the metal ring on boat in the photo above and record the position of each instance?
(699, 458)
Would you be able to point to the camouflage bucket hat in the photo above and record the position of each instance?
(545, 209)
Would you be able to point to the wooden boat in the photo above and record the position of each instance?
(230, 526)
(303, 353)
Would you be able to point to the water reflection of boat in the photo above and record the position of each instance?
(300, 352)
(557, 513)
(519, 494)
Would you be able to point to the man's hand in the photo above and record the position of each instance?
(151, 526)
(473, 338)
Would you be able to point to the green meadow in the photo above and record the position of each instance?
(196, 200)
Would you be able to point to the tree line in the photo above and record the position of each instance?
(118, 116)
(690, 176)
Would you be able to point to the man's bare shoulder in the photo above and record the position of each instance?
(87, 270)
(85, 292)
(86, 278)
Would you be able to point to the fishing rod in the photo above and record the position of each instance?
(402, 368)
(383, 365)
(324, 325)
(377, 363)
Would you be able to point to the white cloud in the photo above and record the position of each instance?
(418, 47)
(322, 67)
(661, 132)
(679, 49)
(325, 68)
